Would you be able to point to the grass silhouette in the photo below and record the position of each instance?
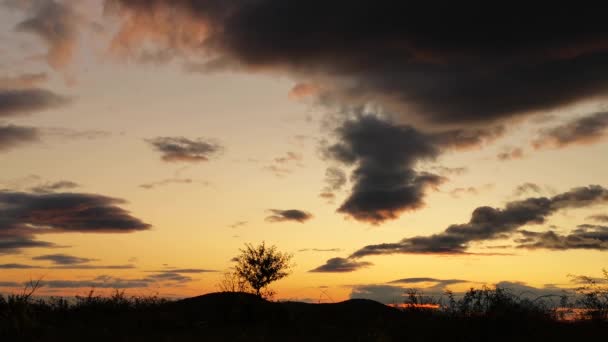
(484, 314)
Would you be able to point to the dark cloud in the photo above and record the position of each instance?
(57, 25)
(584, 237)
(168, 181)
(238, 224)
(527, 188)
(9, 284)
(189, 270)
(386, 294)
(68, 267)
(427, 280)
(92, 267)
(448, 63)
(510, 154)
(599, 218)
(110, 282)
(24, 101)
(384, 155)
(585, 130)
(14, 244)
(12, 136)
(390, 294)
(294, 215)
(341, 265)
(335, 179)
(63, 259)
(55, 186)
(288, 157)
(180, 149)
(320, 250)
(16, 266)
(24, 215)
(489, 223)
(101, 282)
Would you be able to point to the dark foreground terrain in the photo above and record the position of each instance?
(244, 317)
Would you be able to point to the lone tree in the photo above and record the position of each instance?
(260, 265)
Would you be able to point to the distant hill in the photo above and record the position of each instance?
(245, 317)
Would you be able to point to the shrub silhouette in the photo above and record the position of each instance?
(260, 265)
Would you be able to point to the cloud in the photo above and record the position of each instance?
(335, 179)
(23, 81)
(68, 267)
(14, 244)
(384, 155)
(320, 250)
(386, 294)
(15, 102)
(283, 165)
(446, 64)
(24, 215)
(584, 130)
(294, 215)
(238, 224)
(149, 186)
(391, 294)
(187, 270)
(63, 259)
(57, 25)
(427, 280)
(12, 136)
(449, 171)
(510, 154)
(180, 149)
(599, 218)
(527, 188)
(72, 134)
(584, 237)
(52, 187)
(471, 190)
(16, 266)
(489, 223)
(341, 265)
(289, 157)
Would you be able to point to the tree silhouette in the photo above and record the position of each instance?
(261, 265)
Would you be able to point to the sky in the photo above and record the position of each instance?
(143, 143)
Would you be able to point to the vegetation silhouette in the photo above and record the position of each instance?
(256, 268)
(484, 314)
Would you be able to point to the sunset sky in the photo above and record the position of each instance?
(142, 143)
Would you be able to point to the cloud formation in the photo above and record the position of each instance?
(57, 25)
(25, 215)
(586, 236)
(15, 102)
(63, 259)
(293, 215)
(341, 265)
(446, 64)
(55, 186)
(180, 149)
(510, 154)
(584, 130)
(489, 223)
(12, 136)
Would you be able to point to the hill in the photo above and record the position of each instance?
(244, 317)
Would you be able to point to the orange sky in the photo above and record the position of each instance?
(269, 135)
